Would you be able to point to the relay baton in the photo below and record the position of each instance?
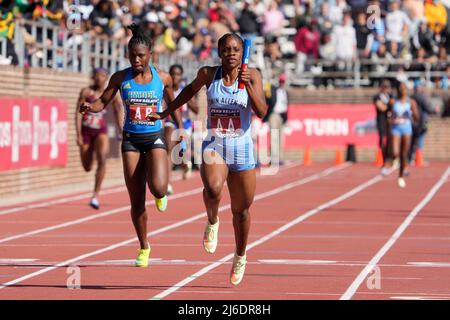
(245, 56)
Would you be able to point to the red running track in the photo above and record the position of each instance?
(318, 232)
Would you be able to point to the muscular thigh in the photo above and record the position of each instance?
(214, 174)
(241, 185)
(135, 176)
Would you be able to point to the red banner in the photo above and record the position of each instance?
(33, 133)
(328, 126)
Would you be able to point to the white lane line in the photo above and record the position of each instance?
(65, 200)
(108, 213)
(421, 297)
(3, 261)
(430, 264)
(269, 236)
(58, 201)
(95, 216)
(291, 185)
(351, 290)
(296, 261)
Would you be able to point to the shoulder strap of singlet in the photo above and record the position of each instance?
(217, 76)
(218, 73)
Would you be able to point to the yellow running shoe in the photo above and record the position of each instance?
(161, 204)
(210, 237)
(401, 182)
(142, 258)
(238, 269)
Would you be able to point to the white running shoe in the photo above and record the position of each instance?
(210, 237)
(401, 182)
(94, 203)
(238, 269)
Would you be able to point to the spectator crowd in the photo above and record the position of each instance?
(386, 35)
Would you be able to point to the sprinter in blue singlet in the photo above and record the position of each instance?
(227, 150)
(144, 150)
(402, 112)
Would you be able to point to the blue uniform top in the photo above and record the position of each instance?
(229, 111)
(401, 111)
(141, 100)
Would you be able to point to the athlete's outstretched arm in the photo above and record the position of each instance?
(118, 113)
(253, 83)
(108, 94)
(202, 78)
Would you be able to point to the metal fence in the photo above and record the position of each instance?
(45, 45)
(42, 44)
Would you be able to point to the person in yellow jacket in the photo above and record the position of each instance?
(436, 15)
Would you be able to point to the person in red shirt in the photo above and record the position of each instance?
(307, 42)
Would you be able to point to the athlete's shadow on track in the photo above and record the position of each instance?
(114, 287)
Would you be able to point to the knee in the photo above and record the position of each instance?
(159, 191)
(241, 215)
(138, 209)
(101, 162)
(87, 167)
(214, 191)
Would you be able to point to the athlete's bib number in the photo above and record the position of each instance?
(92, 120)
(226, 122)
(140, 113)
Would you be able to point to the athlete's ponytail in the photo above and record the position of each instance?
(139, 37)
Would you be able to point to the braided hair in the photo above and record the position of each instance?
(140, 37)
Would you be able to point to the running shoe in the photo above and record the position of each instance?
(94, 203)
(161, 204)
(210, 237)
(187, 173)
(169, 189)
(238, 269)
(385, 171)
(142, 258)
(401, 182)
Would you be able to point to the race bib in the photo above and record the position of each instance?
(139, 113)
(92, 120)
(226, 122)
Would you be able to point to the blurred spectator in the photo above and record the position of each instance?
(397, 26)
(323, 20)
(7, 26)
(248, 21)
(381, 101)
(344, 40)
(328, 55)
(424, 38)
(277, 119)
(307, 41)
(362, 33)
(102, 18)
(440, 65)
(273, 20)
(420, 128)
(376, 24)
(436, 15)
(337, 12)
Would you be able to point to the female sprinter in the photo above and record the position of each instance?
(176, 72)
(144, 150)
(91, 131)
(228, 147)
(403, 110)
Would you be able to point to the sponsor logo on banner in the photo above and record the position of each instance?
(33, 132)
(326, 126)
